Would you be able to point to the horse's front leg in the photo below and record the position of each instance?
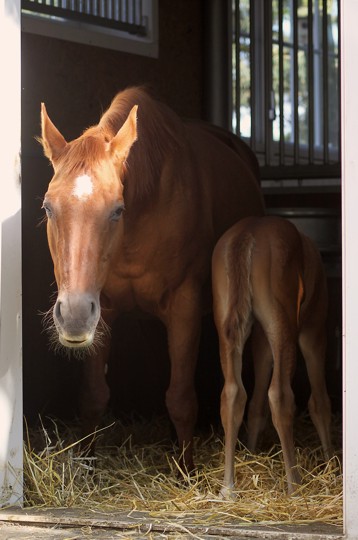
(183, 321)
(94, 393)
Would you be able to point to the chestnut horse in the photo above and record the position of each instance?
(134, 209)
(265, 273)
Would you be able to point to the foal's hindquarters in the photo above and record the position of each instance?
(269, 277)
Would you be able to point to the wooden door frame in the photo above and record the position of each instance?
(10, 259)
(11, 444)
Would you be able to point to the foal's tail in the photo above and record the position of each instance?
(240, 289)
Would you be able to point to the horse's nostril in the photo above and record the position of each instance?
(57, 310)
(93, 308)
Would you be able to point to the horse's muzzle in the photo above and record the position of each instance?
(76, 317)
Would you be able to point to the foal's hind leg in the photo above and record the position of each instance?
(312, 342)
(283, 341)
(233, 397)
(258, 407)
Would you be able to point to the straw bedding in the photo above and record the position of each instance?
(135, 468)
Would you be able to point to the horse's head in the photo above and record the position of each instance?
(84, 203)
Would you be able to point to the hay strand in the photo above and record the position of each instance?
(131, 474)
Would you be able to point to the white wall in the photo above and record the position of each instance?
(10, 257)
(349, 37)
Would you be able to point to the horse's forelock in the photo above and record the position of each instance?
(83, 153)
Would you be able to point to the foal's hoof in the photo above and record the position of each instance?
(293, 483)
(227, 493)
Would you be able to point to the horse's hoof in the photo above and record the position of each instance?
(185, 475)
(293, 484)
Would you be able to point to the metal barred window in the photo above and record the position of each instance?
(97, 22)
(122, 15)
(286, 98)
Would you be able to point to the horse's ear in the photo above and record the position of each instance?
(52, 140)
(121, 143)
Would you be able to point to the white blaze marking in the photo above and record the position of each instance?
(83, 187)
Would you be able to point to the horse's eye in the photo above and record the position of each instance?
(116, 213)
(47, 209)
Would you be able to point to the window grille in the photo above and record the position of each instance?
(118, 14)
(286, 84)
(97, 22)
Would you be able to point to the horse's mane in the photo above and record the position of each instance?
(160, 131)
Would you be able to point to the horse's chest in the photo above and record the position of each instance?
(144, 290)
(144, 275)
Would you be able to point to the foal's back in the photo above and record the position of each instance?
(286, 271)
(262, 266)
